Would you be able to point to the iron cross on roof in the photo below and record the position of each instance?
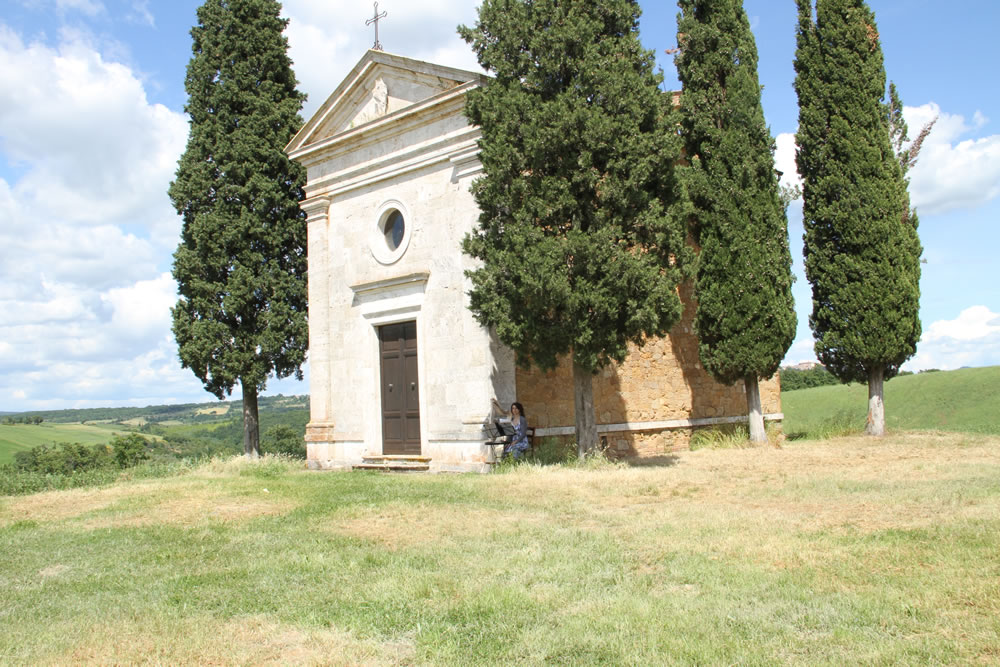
(375, 19)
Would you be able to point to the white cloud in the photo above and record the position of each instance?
(88, 7)
(784, 158)
(328, 37)
(87, 228)
(95, 148)
(142, 309)
(971, 339)
(141, 14)
(953, 171)
(972, 323)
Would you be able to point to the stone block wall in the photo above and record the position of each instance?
(660, 381)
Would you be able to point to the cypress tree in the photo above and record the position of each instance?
(862, 253)
(745, 319)
(241, 262)
(580, 251)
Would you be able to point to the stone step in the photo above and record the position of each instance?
(395, 463)
(396, 457)
(392, 467)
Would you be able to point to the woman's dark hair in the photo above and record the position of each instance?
(520, 408)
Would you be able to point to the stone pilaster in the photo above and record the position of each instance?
(318, 211)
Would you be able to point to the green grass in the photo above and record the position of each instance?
(851, 551)
(19, 437)
(963, 401)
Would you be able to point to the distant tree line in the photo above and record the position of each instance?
(187, 412)
(794, 378)
(28, 419)
(818, 376)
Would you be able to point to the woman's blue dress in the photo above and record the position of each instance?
(518, 444)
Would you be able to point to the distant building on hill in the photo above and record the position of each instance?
(804, 366)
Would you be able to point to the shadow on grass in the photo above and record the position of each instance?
(663, 461)
(557, 452)
(842, 423)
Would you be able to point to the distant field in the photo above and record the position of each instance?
(219, 410)
(964, 401)
(19, 437)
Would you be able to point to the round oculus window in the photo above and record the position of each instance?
(390, 232)
(393, 229)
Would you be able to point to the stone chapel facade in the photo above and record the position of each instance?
(398, 364)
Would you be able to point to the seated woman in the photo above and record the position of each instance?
(518, 444)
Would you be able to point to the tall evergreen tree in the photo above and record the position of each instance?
(241, 263)
(862, 253)
(746, 315)
(581, 252)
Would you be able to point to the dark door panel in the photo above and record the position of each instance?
(400, 389)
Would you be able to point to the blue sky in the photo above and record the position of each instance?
(92, 124)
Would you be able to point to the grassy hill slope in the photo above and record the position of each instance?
(20, 437)
(189, 429)
(964, 401)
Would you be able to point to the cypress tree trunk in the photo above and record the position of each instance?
(754, 412)
(876, 406)
(251, 424)
(586, 424)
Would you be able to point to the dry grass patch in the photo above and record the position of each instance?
(154, 502)
(877, 482)
(218, 410)
(405, 526)
(61, 505)
(53, 571)
(253, 640)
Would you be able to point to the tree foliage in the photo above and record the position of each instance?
(241, 263)
(283, 439)
(129, 450)
(581, 252)
(862, 252)
(745, 319)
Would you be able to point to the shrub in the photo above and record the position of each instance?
(63, 459)
(130, 450)
(282, 439)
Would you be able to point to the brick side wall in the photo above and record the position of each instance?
(661, 380)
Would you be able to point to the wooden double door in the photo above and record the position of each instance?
(400, 389)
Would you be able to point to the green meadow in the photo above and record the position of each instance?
(963, 401)
(845, 551)
(19, 437)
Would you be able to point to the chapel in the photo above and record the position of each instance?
(398, 364)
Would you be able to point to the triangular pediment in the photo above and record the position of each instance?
(379, 85)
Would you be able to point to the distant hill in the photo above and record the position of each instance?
(964, 400)
(185, 412)
(183, 430)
